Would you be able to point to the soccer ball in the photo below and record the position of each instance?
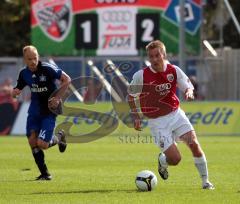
(146, 180)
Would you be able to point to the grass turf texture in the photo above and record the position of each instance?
(104, 171)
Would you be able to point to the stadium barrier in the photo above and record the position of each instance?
(208, 118)
(8, 111)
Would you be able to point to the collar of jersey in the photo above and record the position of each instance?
(164, 67)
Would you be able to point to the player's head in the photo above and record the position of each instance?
(157, 54)
(159, 45)
(31, 57)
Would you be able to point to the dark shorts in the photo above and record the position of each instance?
(43, 125)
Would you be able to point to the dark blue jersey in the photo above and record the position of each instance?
(42, 85)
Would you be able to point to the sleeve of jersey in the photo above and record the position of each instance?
(135, 87)
(20, 82)
(54, 71)
(183, 81)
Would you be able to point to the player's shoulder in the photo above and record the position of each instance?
(139, 72)
(48, 66)
(172, 66)
(23, 70)
(138, 75)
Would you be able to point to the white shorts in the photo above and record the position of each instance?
(167, 129)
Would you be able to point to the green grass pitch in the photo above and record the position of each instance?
(104, 171)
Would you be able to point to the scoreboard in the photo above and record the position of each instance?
(111, 27)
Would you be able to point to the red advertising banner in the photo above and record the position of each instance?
(85, 5)
(112, 27)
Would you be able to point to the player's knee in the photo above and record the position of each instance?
(174, 160)
(196, 145)
(32, 142)
(196, 149)
(42, 144)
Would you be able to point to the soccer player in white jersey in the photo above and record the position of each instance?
(154, 90)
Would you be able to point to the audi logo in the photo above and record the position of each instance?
(162, 87)
(116, 16)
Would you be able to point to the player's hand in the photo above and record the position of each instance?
(189, 95)
(138, 124)
(55, 105)
(16, 92)
(54, 102)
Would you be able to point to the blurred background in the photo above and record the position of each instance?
(86, 37)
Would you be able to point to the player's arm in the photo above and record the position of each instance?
(20, 85)
(65, 81)
(184, 84)
(134, 90)
(134, 113)
(16, 92)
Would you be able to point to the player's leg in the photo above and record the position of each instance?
(62, 144)
(38, 154)
(200, 161)
(170, 154)
(46, 137)
(185, 132)
(59, 139)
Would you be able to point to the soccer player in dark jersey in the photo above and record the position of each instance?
(41, 78)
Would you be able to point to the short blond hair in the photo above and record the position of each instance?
(157, 44)
(29, 48)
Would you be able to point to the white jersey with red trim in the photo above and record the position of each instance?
(157, 90)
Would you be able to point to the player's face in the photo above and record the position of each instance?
(31, 59)
(156, 59)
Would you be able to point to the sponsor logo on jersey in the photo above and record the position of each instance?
(54, 17)
(37, 89)
(163, 89)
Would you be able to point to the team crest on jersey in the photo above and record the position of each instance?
(170, 77)
(42, 78)
(54, 17)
